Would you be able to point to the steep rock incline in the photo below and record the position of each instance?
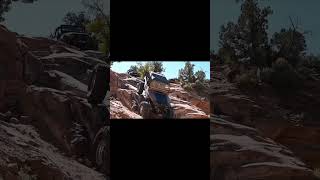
(240, 152)
(25, 155)
(58, 113)
(11, 68)
(123, 89)
(286, 119)
(48, 125)
(120, 111)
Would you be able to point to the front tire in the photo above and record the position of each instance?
(169, 114)
(101, 149)
(140, 88)
(98, 84)
(145, 109)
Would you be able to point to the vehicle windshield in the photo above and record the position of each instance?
(159, 77)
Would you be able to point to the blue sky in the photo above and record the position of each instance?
(171, 67)
(222, 11)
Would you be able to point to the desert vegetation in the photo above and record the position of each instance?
(256, 58)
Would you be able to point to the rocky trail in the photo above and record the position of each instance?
(123, 93)
(261, 134)
(46, 122)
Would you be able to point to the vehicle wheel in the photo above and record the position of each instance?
(101, 150)
(140, 88)
(145, 109)
(98, 84)
(169, 114)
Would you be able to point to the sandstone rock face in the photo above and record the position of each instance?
(56, 112)
(284, 127)
(200, 102)
(241, 152)
(33, 68)
(303, 140)
(46, 123)
(114, 79)
(25, 155)
(119, 111)
(11, 69)
(238, 106)
(186, 110)
(8, 48)
(123, 89)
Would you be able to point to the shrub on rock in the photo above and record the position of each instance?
(284, 77)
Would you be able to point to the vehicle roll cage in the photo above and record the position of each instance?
(67, 28)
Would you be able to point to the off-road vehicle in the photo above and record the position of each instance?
(75, 36)
(133, 73)
(155, 102)
(97, 90)
(98, 84)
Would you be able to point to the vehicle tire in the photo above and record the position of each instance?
(169, 114)
(145, 109)
(140, 88)
(98, 84)
(101, 150)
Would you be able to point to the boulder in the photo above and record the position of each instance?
(33, 68)
(238, 106)
(186, 110)
(127, 97)
(38, 43)
(25, 155)
(8, 48)
(119, 111)
(114, 83)
(55, 114)
(201, 102)
(67, 63)
(303, 140)
(43, 84)
(240, 152)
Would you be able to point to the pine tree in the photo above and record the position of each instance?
(247, 40)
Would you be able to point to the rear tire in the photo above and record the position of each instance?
(98, 84)
(140, 88)
(101, 150)
(169, 114)
(145, 110)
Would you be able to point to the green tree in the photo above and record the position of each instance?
(143, 69)
(228, 42)
(95, 8)
(133, 68)
(76, 19)
(5, 6)
(247, 40)
(284, 77)
(186, 75)
(157, 66)
(289, 44)
(200, 76)
(100, 26)
(154, 66)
